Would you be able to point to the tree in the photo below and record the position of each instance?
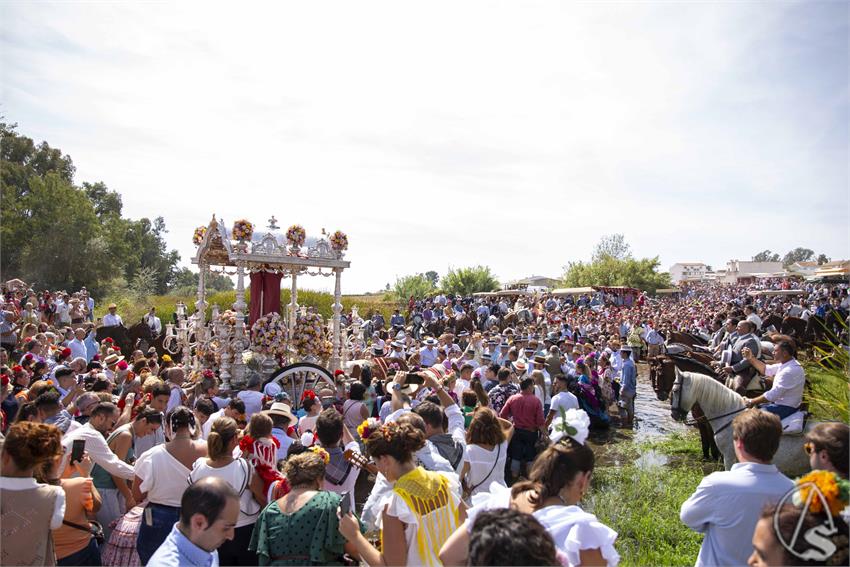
(62, 236)
(416, 285)
(433, 277)
(766, 256)
(798, 255)
(186, 282)
(612, 246)
(614, 266)
(822, 259)
(466, 281)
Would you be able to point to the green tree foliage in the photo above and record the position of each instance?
(613, 265)
(55, 234)
(798, 255)
(186, 282)
(766, 256)
(822, 259)
(465, 281)
(612, 246)
(416, 285)
(433, 277)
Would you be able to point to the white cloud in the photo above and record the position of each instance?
(509, 134)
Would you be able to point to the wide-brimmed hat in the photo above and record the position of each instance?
(282, 409)
(430, 341)
(539, 359)
(520, 366)
(112, 359)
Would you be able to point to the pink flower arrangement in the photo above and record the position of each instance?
(296, 235)
(243, 230)
(339, 241)
(309, 338)
(198, 237)
(268, 335)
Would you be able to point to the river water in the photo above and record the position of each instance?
(652, 420)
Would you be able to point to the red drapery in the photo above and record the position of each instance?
(265, 295)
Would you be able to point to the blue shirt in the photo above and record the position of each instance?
(628, 381)
(178, 550)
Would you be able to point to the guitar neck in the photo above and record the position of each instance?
(360, 461)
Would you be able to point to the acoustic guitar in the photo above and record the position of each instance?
(360, 461)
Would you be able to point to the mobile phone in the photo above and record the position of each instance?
(345, 503)
(77, 448)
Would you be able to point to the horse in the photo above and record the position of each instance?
(688, 339)
(721, 405)
(140, 336)
(772, 320)
(462, 322)
(662, 375)
(119, 335)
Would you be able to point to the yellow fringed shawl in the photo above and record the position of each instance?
(426, 492)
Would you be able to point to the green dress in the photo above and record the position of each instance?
(309, 536)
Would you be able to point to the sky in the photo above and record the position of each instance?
(447, 134)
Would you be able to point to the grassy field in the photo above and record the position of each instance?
(132, 309)
(641, 502)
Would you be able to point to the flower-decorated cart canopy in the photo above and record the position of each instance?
(266, 256)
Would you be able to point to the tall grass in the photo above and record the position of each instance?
(132, 309)
(828, 386)
(641, 503)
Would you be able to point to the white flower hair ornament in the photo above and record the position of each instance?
(574, 423)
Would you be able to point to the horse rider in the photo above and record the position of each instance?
(112, 319)
(789, 380)
(152, 321)
(397, 321)
(739, 370)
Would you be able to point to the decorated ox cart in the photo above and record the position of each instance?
(293, 349)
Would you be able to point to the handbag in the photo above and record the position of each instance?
(94, 528)
(467, 490)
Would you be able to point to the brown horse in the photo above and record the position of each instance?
(688, 339)
(462, 322)
(662, 375)
(125, 339)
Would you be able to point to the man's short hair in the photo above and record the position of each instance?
(526, 383)
(789, 348)
(329, 427)
(759, 431)
(236, 405)
(206, 406)
(207, 497)
(48, 399)
(503, 374)
(432, 413)
(104, 408)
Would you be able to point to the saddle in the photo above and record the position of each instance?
(795, 423)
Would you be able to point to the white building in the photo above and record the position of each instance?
(804, 269)
(688, 271)
(737, 270)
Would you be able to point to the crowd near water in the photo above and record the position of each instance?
(455, 434)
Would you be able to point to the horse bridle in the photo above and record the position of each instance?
(679, 413)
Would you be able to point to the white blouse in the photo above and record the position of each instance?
(572, 529)
(164, 478)
(482, 472)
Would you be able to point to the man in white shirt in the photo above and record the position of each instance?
(112, 319)
(428, 353)
(789, 380)
(752, 317)
(252, 396)
(562, 400)
(235, 409)
(77, 345)
(727, 505)
(152, 321)
(101, 423)
(63, 311)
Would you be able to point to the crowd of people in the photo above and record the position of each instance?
(462, 448)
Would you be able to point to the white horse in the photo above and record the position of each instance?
(720, 405)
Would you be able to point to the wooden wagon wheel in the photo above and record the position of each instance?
(294, 379)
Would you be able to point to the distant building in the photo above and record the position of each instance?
(740, 271)
(534, 283)
(688, 272)
(804, 269)
(838, 270)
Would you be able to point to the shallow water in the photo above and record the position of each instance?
(652, 420)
